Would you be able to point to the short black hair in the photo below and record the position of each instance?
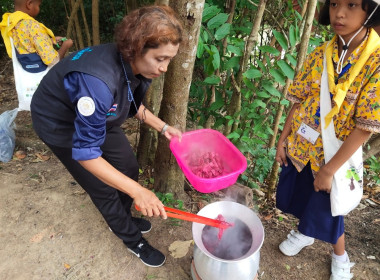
(367, 5)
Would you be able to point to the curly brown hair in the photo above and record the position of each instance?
(147, 28)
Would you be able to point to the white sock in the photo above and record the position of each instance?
(341, 258)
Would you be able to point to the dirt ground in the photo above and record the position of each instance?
(51, 230)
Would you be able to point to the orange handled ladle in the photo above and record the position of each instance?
(182, 215)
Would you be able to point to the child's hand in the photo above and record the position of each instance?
(323, 180)
(68, 43)
(281, 155)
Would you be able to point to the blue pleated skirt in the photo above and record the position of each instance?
(295, 195)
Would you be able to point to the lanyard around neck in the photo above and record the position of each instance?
(130, 93)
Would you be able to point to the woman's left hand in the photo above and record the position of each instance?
(173, 132)
(323, 180)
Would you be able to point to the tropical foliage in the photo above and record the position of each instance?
(245, 61)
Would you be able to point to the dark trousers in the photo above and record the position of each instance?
(115, 206)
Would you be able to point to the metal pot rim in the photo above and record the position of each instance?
(230, 208)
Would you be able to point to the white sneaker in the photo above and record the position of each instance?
(295, 243)
(341, 270)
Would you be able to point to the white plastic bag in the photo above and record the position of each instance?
(26, 83)
(7, 134)
(347, 186)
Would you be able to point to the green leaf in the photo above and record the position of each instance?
(233, 135)
(291, 59)
(232, 63)
(315, 41)
(217, 20)
(262, 94)
(259, 103)
(247, 93)
(216, 57)
(298, 15)
(271, 89)
(261, 65)
(252, 73)
(205, 36)
(286, 68)
(217, 105)
(281, 39)
(200, 49)
(212, 80)
(278, 76)
(219, 122)
(208, 66)
(292, 36)
(248, 83)
(234, 49)
(270, 50)
(285, 102)
(222, 31)
(209, 12)
(269, 130)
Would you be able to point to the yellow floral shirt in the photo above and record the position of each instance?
(29, 37)
(361, 107)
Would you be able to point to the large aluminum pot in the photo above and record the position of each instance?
(210, 267)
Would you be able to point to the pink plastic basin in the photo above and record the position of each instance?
(208, 140)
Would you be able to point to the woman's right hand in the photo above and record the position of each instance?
(281, 155)
(149, 203)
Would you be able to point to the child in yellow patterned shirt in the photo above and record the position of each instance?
(350, 62)
(32, 40)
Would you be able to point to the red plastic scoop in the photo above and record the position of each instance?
(182, 215)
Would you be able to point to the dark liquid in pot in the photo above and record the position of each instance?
(235, 242)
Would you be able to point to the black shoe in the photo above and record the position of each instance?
(147, 254)
(143, 225)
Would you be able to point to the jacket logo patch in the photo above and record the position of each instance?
(80, 53)
(86, 106)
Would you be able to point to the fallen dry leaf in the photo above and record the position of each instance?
(268, 217)
(42, 157)
(37, 238)
(179, 249)
(20, 154)
(67, 266)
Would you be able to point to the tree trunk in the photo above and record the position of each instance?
(131, 5)
(162, 2)
(72, 17)
(95, 22)
(235, 104)
(78, 30)
(168, 178)
(272, 179)
(148, 137)
(147, 146)
(86, 29)
(374, 144)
